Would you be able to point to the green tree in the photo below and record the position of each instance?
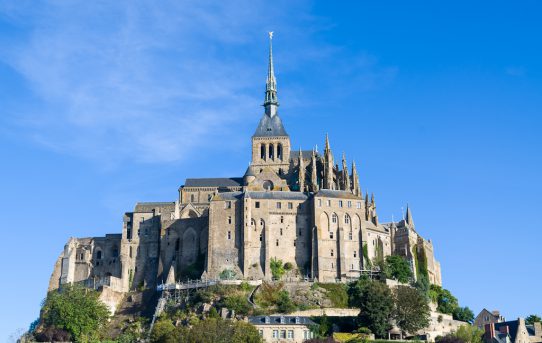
(398, 268)
(464, 314)
(222, 331)
(411, 311)
(533, 318)
(277, 268)
(76, 310)
(284, 303)
(164, 331)
(374, 299)
(469, 334)
(238, 303)
(446, 302)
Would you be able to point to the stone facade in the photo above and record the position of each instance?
(297, 206)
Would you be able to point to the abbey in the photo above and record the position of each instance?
(303, 207)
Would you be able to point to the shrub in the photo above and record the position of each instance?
(277, 268)
(336, 293)
(284, 303)
(288, 266)
(238, 303)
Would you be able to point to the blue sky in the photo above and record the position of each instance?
(103, 104)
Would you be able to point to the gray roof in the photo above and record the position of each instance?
(230, 195)
(307, 154)
(279, 195)
(274, 320)
(214, 182)
(270, 127)
(336, 194)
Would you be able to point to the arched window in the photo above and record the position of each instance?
(271, 151)
(192, 198)
(115, 252)
(334, 218)
(262, 151)
(346, 219)
(99, 255)
(130, 252)
(279, 151)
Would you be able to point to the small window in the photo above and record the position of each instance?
(229, 219)
(340, 203)
(347, 219)
(275, 333)
(281, 219)
(130, 252)
(350, 235)
(349, 204)
(261, 237)
(290, 334)
(334, 218)
(332, 265)
(279, 205)
(319, 202)
(290, 205)
(300, 232)
(329, 203)
(99, 255)
(331, 252)
(192, 198)
(262, 223)
(281, 231)
(228, 204)
(295, 242)
(229, 234)
(277, 243)
(257, 204)
(358, 204)
(355, 254)
(282, 333)
(330, 234)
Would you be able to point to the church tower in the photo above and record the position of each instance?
(270, 142)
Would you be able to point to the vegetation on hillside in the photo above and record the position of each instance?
(72, 313)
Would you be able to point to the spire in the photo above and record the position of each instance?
(327, 143)
(372, 199)
(328, 167)
(408, 218)
(346, 177)
(356, 190)
(314, 176)
(301, 172)
(271, 101)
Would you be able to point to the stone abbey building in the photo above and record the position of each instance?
(302, 207)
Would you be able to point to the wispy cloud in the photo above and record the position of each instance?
(147, 82)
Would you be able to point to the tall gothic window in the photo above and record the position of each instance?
(279, 151)
(347, 219)
(262, 151)
(271, 151)
(334, 218)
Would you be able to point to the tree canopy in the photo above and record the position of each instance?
(533, 318)
(398, 268)
(411, 311)
(374, 299)
(76, 310)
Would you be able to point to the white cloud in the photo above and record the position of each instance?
(151, 81)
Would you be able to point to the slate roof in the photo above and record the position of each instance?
(214, 182)
(336, 194)
(278, 195)
(307, 154)
(230, 195)
(270, 127)
(276, 320)
(512, 327)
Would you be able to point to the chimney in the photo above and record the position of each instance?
(504, 329)
(496, 313)
(489, 334)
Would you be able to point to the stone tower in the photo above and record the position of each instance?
(270, 142)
